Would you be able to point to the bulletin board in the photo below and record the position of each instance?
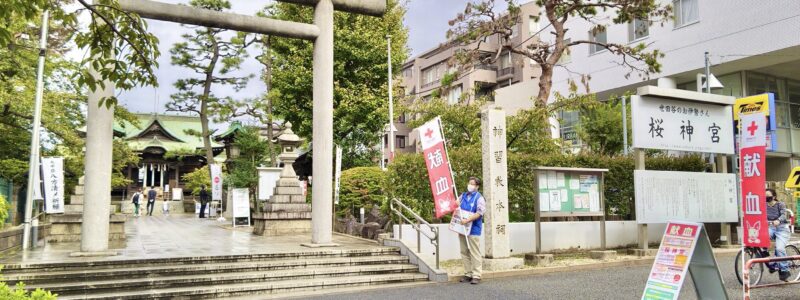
(569, 192)
(563, 192)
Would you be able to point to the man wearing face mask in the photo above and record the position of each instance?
(778, 231)
(472, 201)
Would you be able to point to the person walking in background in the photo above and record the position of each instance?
(151, 201)
(473, 202)
(165, 207)
(135, 200)
(204, 199)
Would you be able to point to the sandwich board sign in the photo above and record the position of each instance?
(684, 247)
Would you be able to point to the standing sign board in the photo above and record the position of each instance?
(241, 206)
(53, 175)
(267, 180)
(338, 175)
(216, 182)
(684, 247)
(662, 196)
(671, 124)
(440, 175)
(752, 159)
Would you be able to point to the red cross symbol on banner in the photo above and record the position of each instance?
(752, 128)
(429, 133)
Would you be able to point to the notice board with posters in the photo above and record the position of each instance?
(569, 192)
(685, 247)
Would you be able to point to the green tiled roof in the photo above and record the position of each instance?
(176, 128)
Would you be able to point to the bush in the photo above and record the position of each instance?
(19, 293)
(407, 178)
(360, 187)
(4, 207)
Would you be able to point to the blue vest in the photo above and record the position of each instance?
(469, 202)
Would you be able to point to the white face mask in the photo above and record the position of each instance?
(472, 188)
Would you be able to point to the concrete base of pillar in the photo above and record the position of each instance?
(603, 254)
(502, 264)
(643, 252)
(729, 246)
(67, 228)
(313, 245)
(266, 226)
(538, 260)
(93, 254)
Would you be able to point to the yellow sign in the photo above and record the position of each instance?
(794, 179)
(752, 104)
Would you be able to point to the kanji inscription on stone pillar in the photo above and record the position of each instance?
(495, 179)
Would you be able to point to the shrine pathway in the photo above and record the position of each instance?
(183, 235)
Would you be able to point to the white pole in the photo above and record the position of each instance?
(33, 164)
(391, 101)
(625, 125)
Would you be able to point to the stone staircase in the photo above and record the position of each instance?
(66, 227)
(212, 277)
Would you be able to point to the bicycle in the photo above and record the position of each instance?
(757, 270)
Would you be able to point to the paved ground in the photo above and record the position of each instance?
(181, 236)
(611, 283)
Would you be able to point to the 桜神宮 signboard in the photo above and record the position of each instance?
(662, 196)
(682, 125)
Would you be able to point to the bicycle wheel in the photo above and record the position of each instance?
(794, 265)
(756, 270)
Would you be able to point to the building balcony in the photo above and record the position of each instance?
(484, 74)
(505, 72)
(430, 84)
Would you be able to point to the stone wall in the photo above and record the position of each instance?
(11, 238)
(374, 224)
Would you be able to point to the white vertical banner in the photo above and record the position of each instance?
(53, 175)
(338, 174)
(216, 182)
(142, 171)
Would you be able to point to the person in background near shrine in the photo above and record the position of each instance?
(135, 200)
(151, 200)
(778, 231)
(165, 207)
(472, 201)
(204, 199)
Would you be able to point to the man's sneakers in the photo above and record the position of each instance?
(784, 275)
(470, 280)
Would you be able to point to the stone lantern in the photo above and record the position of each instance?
(286, 212)
(289, 143)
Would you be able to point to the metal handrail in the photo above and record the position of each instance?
(419, 221)
(746, 273)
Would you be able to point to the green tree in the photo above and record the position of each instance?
(253, 153)
(118, 42)
(360, 187)
(360, 76)
(198, 178)
(601, 127)
(212, 58)
(480, 21)
(122, 157)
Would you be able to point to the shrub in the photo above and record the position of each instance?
(4, 207)
(407, 178)
(18, 292)
(360, 187)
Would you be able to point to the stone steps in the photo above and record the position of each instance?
(44, 276)
(257, 288)
(211, 277)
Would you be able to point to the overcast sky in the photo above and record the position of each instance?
(425, 19)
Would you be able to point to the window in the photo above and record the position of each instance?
(433, 73)
(533, 25)
(505, 60)
(407, 72)
(599, 37)
(454, 94)
(686, 12)
(566, 57)
(402, 118)
(400, 141)
(638, 29)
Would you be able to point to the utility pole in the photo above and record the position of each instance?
(391, 101)
(625, 125)
(33, 164)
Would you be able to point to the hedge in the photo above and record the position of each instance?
(407, 178)
(360, 187)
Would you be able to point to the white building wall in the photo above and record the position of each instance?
(555, 236)
(729, 29)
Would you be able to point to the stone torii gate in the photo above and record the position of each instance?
(94, 231)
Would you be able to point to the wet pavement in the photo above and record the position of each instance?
(183, 235)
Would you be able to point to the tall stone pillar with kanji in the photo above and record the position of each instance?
(495, 190)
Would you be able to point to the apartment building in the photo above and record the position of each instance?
(754, 48)
(509, 82)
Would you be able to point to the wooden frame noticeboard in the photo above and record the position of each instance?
(569, 192)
